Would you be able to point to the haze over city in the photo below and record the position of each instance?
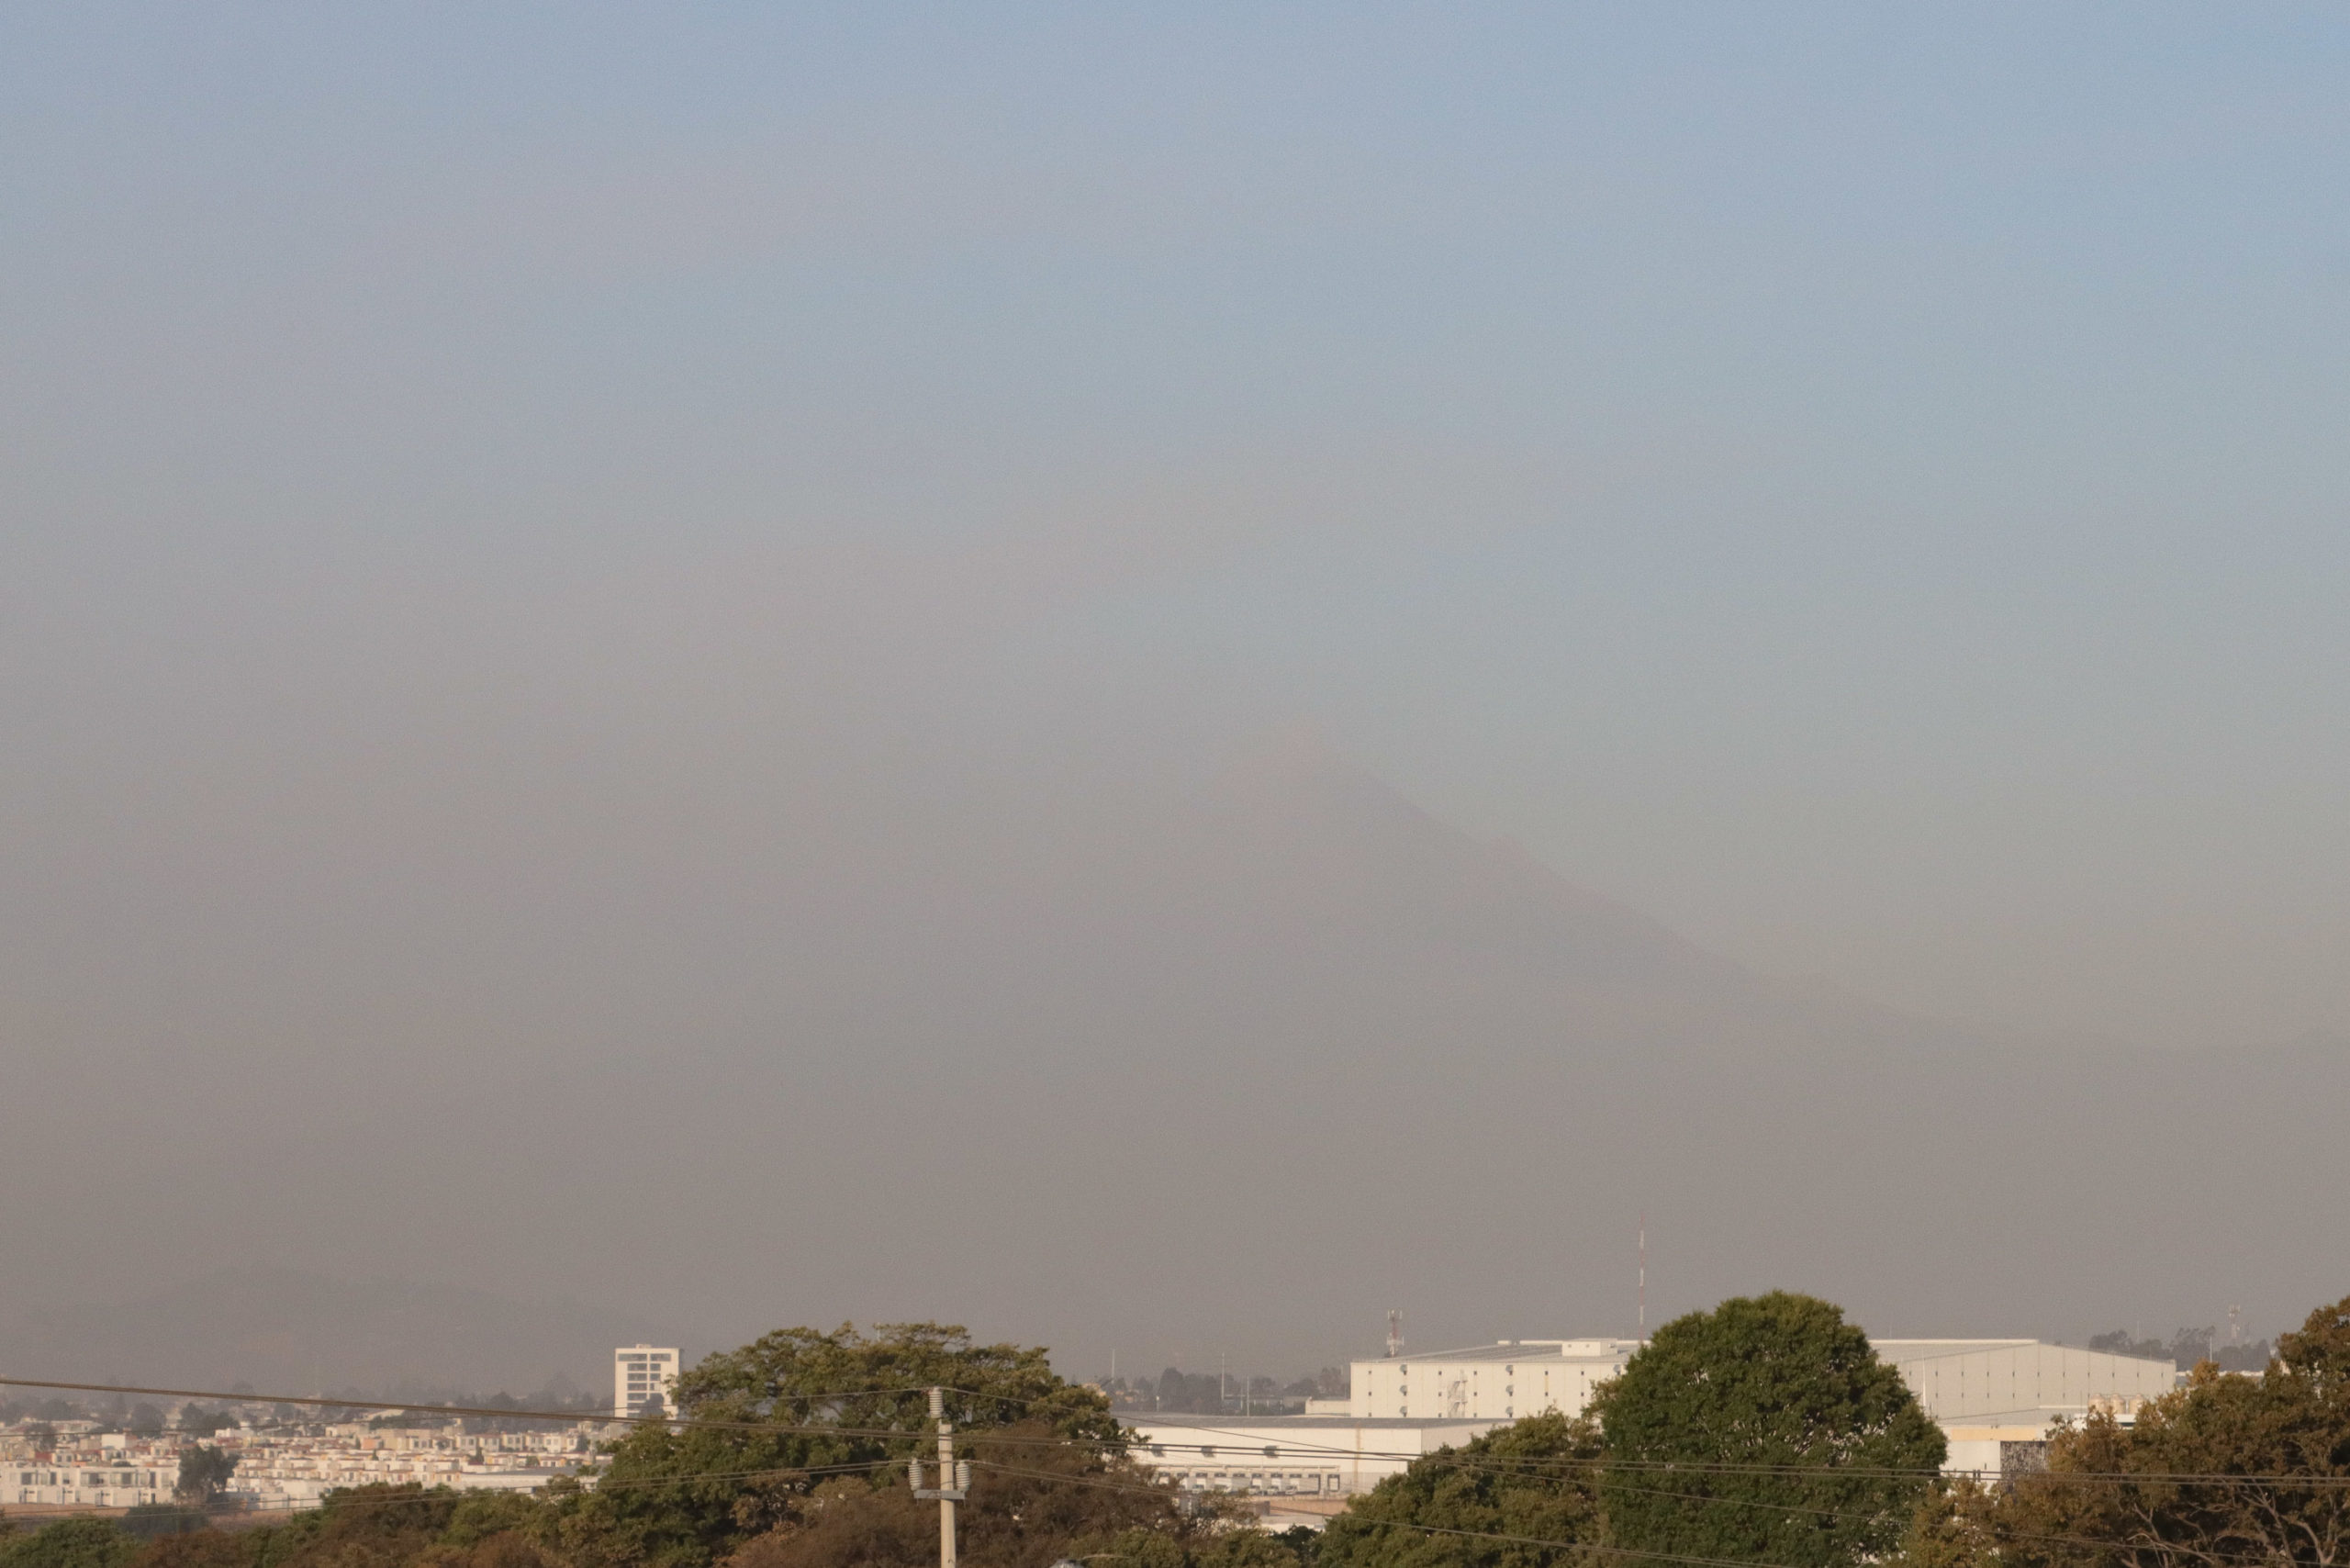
(1157, 679)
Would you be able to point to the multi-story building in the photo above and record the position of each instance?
(639, 1373)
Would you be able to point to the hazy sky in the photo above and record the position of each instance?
(1863, 484)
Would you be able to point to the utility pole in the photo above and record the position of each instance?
(954, 1479)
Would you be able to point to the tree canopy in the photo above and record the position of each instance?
(796, 1410)
(1032, 1503)
(204, 1471)
(1768, 1431)
(2176, 1489)
(70, 1543)
(1536, 1480)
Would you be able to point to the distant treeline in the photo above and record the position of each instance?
(1215, 1394)
(2187, 1348)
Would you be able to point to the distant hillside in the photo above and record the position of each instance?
(1175, 1073)
(283, 1331)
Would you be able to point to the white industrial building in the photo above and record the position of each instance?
(1486, 1382)
(1304, 1467)
(1994, 1400)
(1982, 1382)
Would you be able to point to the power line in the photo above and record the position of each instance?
(492, 1412)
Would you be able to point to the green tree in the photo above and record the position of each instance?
(150, 1520)
(770, 1423)
(203, 1548)
(1766, 1430)
(70, 1543)
(1537, 1480)
(1247, 1548)
(202, 1472)
(1953, 1528)
(360, 1527)
(481, 1517)
(1032, 1501)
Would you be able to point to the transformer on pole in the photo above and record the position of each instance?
(954, 1479)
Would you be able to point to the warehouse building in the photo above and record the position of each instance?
(1486, 1382)
(2003, 1382)
(1301, 1469)
(1994, 1400)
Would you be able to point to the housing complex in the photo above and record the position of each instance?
(293, 1468)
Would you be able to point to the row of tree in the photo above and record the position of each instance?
(1215, 1394)
(2231, 1470)
(1764, 1433)
(2187, 1348)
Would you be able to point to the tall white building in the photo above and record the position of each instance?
(640, 1372)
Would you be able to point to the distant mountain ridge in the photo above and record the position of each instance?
(294, 1332)
(1093, 1070)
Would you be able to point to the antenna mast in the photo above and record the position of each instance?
(1644, 1275)
(1394, 1333)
